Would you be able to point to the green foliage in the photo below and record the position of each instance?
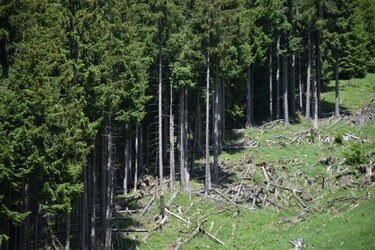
(355, 155)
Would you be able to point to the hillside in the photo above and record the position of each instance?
(288, 183)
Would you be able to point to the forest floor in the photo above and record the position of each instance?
(290, 184)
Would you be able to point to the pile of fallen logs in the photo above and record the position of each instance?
(269, 184)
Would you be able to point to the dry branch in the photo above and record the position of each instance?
(177, 216)
(148, 206)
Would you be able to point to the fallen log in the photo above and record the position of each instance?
(130, 230)
(147, 207)
(177, 216)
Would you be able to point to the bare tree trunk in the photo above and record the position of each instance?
(126, 160)
(24, 241)
(207, 186)
(220, 113)
(300, 85)
(136, 158)
(307, 114)
(249, 107)
(222, 116)
(84, 217)
(148, 147)
(187, 176)
(141, 161)
(197, 131)
(270, 85)
(109, 191)
(316, 109)
(182, 137)
(67, 231)
(337, 93)
(171, 142)
(103, 177)
(285, 89)
(278, 78)
(93, 201)
(293, 87)
(215, 111)
(160, 123)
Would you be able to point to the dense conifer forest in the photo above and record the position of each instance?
(98, 97)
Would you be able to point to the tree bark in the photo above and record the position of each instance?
(109, 191)
(84, 217)
(222, 135)
(270, 84)
(160, 127)
(278, 78)
(316, 109)
(182, 137)
(207, 186)
(186, 147)
(337, 90)
(103, 177)
(216, 127)
(308, 80)
(293, 87)
(300, 85)
(171, 143)
(285, 89)
(141, 161)
(197, 131)
(136, 157)
(126, 160)
(93, 201)
(249, 106)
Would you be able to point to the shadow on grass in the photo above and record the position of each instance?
(328, 109)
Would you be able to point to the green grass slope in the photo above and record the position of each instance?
(338, 217)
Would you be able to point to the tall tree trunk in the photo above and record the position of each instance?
(187, 176)
(249, 107)
(207, 186)
(141, 161)
(222, 115)
(84, 217)
(197, 130)
(67, 231)
(136, 158)
(300, 85)
(160, 123)
(93, 201)
(148, 147)
(293, 87)
(318, 70)
(270, 84)
(172, 166)
(285, 89)
(337, 90)
(316, 109)
(307, 114)
(182, 137)
(126, 160)
(24, 241)
(215, 111)
(109, 191)
(103, 184)
(278, 79)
